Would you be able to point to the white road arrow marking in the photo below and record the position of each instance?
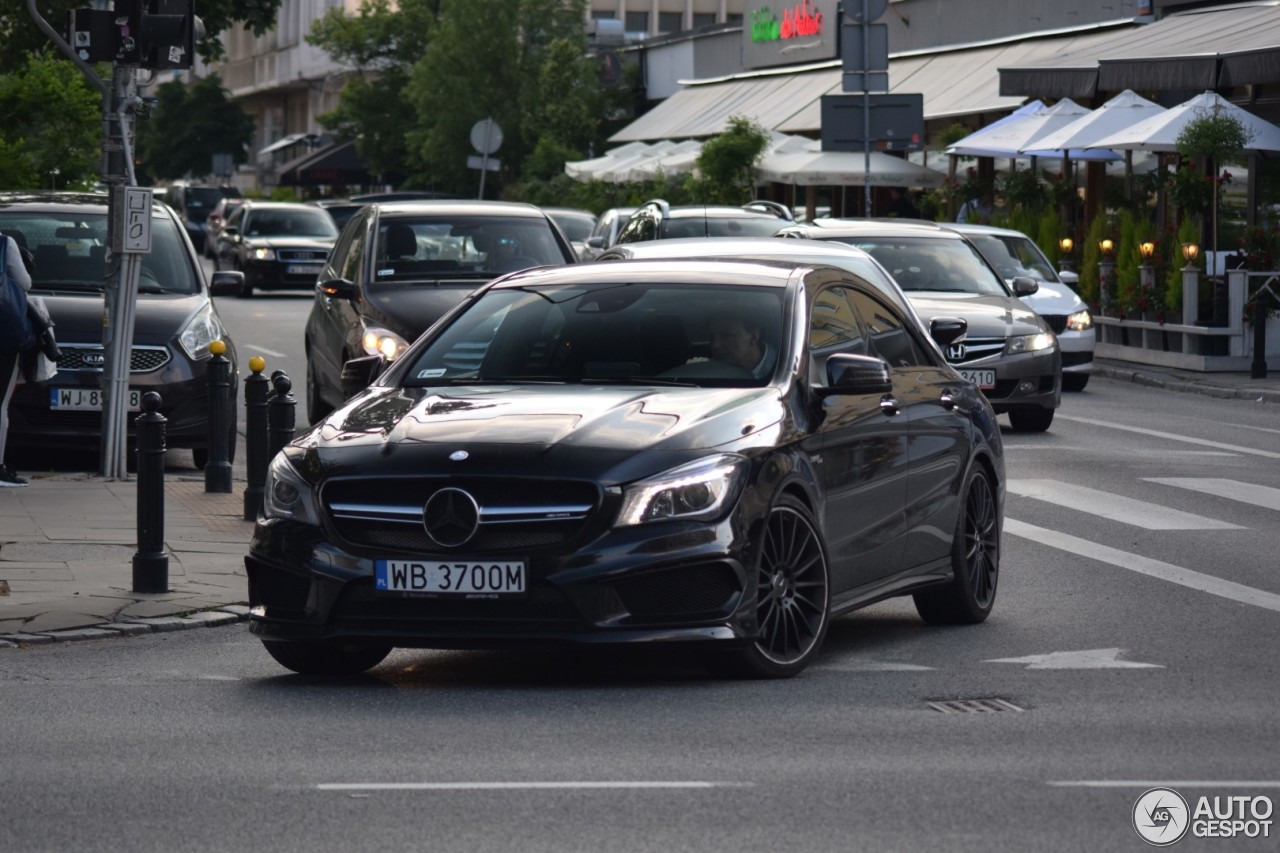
(1090, 659)
(1249, 493)
(1116, 507)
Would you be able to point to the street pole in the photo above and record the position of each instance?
(866, 110)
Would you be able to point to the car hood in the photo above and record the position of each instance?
(315, 243)
(390, 429)
(408, 309)
(1053, 298)
(988, 316)
(158, 318)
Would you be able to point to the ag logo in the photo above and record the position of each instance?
(1161, 817)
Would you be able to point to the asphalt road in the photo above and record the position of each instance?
(1134, 642)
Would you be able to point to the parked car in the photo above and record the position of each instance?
(276, 244)
(215, 220)
(176, 320)
(605, 232)
(1009, 351)
(657, 220)
(1014, 254)
(400, 266)
(576, 225)
(339, 209)
(710, 455)
(193, 202)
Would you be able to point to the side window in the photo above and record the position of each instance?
(338, 256)
(887, 335)
(236, 219)
(833, 328)
(350, 265)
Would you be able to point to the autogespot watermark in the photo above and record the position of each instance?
(1162, 817)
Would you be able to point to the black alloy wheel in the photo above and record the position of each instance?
(975, 560)
(327, 657)
(792, 595)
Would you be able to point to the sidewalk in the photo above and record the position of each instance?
(67, 541)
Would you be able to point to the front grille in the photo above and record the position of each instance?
(976, 349)
(542, 603)
(301, 256)
(680, 593)
(1057, 322)
(515, 514)
(142, 359)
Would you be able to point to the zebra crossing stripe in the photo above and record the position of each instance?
(1263, 496)
(1203, 442)
(1144, 565)
(1126, 510)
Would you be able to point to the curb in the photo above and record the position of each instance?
(1259, 395)
(196, 619)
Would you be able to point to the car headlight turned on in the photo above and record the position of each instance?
(1030, 343)
(701, 489)
(201, 330)
(264, 254)
(287, 494)
(383, 342)
(1080, 321)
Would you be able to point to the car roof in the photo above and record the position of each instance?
(976, 228)
(457, 207)
(727, 271)
(68, 202)
(874, 227)
(709, 247)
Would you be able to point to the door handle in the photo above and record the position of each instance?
(948, 401)
(888, 405)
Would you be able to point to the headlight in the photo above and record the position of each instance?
(287, 495)
(201, 330)
(700, 489)
(383, 342)
(264, 254)
(1029, 343)
(1080, 321)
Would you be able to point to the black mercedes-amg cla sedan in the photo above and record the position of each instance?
(716, 454)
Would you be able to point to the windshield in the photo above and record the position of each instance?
(70, 252)
(576, 226)
(302, 222)
(741, 226)
(938, 265)
(664, 334)
(1014, 256)
(414, 248)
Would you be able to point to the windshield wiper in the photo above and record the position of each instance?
(637, 380)
(505, 380)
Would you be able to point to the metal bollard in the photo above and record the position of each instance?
(151, 563)
(280, 414)
(256, 388)
(1258, 367)
(217, 470)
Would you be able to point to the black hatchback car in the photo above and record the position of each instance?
(276, 244)
(176, 320)
(715, 454)
(401, 265)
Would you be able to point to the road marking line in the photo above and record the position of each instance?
(858, 664)
(264, 351)
(1084, 659)
(1144, 565)
(1125, 510)
(1172, 436)
(518, 786)
(1164, 783)
(1263, 496)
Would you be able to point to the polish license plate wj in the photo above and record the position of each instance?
(984, 379)
(304, 269)
(87, 399)
(468, 578)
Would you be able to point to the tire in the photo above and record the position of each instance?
(975, 560)
(327, 657)
(317, 408)
(1074, 381)
(1030, 420)
(793, 596)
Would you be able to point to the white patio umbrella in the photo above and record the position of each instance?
(586, 170)
(1019, 135)
(814, 167)
(616, 172)
(678, 160)
(1160, 132)
(1121, 112)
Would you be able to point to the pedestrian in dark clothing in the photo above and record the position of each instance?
(900, 205)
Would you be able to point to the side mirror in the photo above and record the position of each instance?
(1069, 277)
(856, 374)
(946, 331)
(338, 288)
(226, 283)
(230, 231)
(596, 241)
(359, 373)
(1023, 286)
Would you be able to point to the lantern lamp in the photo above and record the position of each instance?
(1106, 246)
(1146, 248)
(1190, 251)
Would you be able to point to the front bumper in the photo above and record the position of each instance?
(677, 582)
(1025, 380)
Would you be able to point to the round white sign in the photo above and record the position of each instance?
(486, 136)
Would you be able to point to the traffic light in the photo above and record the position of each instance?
(147, 33)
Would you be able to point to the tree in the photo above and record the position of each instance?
(1214, 138)
(382, 45)
(191, 124)
(727, 161)
(52, 121)
(21, 37)
(471, 72)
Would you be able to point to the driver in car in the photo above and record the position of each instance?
(738, 339)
